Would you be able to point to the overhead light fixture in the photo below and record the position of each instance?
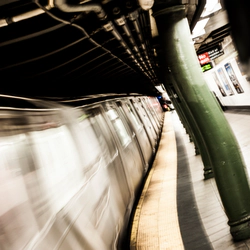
(199, 28)
(211, 7)
(154, 30)
(160, 88)
(146, 4)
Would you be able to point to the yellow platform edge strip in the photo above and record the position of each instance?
(167, 133)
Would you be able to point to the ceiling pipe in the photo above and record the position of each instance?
(121, 21)
(133, 17)
(64, 6)
(111, 28)
(86, 7)
(86, 35)
(24, 16)
(146, 4)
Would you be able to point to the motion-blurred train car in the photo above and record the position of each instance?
(70, 174)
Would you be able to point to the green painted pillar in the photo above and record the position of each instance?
(198, 138)
(180, 113)
(228, 165)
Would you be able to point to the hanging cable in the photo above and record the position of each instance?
(83, 31)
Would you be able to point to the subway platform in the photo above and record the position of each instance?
(178, 209)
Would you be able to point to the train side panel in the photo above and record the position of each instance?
(70, 177)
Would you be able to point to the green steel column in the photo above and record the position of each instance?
(180, 113)
(198, 138)
(228, 165)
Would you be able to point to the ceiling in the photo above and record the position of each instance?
(69, 51)
(216, 29)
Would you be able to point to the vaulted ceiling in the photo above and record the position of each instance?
(58, 49)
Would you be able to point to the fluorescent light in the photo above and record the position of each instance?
(154, 30)
(211, 7)
(160, 89)
(146, 4)
(199, 28)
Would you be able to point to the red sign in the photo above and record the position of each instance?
(204, 58)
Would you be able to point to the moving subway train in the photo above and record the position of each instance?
(70, 172)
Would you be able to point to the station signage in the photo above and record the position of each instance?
(204, 58)
(211, 54)
(207, 67)
(215, 52)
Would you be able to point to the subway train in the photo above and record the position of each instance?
(71, 171)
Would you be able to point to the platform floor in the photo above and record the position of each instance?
(178, 209)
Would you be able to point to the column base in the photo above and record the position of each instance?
(190, 139)
(241, 231)
(208, 174)
(197, 151)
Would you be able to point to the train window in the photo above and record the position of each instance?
(90, 147)
(156, 104)
(134, 104)
(58, 167)
(119, 127)
(151, 107)
(151, 112)
(100, 127)
(16, 211)
(141, 111)
(134, 116)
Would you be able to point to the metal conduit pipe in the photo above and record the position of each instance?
(26, 15)
(83, 31)
(137, 22)
(117, 35)
(97, 8)
(121, 21)
(66, 7)
(133, 16)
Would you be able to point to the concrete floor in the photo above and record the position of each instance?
(176, 189)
